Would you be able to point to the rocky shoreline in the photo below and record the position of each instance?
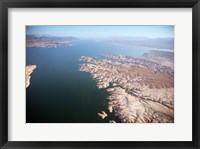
(29, 71)
(141, 90)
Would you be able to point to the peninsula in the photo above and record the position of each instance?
(29, 71)
(141, 90)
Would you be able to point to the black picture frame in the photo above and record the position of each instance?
(5, 4)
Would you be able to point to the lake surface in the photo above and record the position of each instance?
(59, 92)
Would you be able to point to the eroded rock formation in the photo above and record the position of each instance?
(141, 89)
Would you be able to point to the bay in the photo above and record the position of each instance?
(59, 92)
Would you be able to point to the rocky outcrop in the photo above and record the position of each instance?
(29, 71)
(141, 90)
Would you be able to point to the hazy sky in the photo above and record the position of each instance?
(104, 31)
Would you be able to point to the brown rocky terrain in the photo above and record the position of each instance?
(141, 89)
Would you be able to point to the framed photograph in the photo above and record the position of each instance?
(100, 74)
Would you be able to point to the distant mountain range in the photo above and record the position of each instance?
(48, 41)
(159, 43)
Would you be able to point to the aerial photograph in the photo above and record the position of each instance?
(99, 74)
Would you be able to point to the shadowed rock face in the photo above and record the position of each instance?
(29, 71)
(141, 90)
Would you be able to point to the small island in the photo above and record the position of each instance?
(29, 71)
(102, 114)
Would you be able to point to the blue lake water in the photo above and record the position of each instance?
(59, 92)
